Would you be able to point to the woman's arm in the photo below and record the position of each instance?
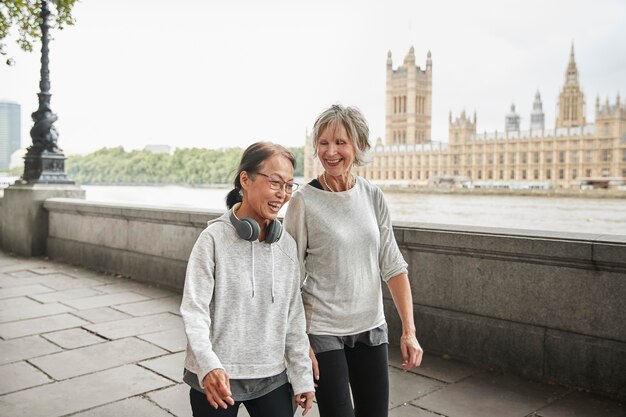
(401, 292)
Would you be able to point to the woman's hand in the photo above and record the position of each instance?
(411, 351)
(316, 369)
(217, 388)
(305, 400)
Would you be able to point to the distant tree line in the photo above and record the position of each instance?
(194, 166)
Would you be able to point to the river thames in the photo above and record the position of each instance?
(563, 214)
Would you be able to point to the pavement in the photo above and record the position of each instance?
(75, 342)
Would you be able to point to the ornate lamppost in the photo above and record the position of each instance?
(44, 162)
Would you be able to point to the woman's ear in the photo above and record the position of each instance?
(244, 180)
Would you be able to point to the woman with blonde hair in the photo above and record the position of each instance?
(346, 248)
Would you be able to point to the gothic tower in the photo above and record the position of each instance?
(537, 116)
(571, 107)
(512, 120)
(408, 101)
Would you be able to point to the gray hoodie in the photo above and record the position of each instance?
(242, 308)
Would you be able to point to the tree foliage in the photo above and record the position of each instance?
(192, 166)
(25, 16)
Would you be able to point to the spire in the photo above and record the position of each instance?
(571, 75)
(429, 61)
(389, 62)
(410, 57)
(537, 116)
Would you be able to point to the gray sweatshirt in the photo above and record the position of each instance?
(345, 246)
(242, 308)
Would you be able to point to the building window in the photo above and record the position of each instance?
(574, 174)
(588, 173)
(480, 174)
(561, 174)
(524, 158)
(536, 174)
(512, 158)
(501, 158)
(469, 174)
(605, 172)
(523, 174)
(512, 174)
(548, 174)
(549, 157)
(606, 155)
(536, 157)
(589, 156)
(426, 176)
(501, 175)
(562, 156)
(605, 128)
(490, 174)
(575, 156)
(624, 155)
(624, 173)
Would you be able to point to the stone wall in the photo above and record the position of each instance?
(549, 306)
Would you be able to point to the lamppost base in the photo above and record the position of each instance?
(45, 168)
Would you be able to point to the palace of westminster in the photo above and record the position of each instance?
(572, 154)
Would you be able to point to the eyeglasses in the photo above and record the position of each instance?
(278, 184)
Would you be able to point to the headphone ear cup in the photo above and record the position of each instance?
(247, 228)
(274, 232)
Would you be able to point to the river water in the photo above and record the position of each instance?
(583, 215)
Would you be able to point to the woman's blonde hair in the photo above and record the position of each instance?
(353, 121)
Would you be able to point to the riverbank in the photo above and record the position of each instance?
(560, 192)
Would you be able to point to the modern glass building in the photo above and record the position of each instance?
(10, 131)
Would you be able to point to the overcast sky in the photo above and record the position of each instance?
(198, 73)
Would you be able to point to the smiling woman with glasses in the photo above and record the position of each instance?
(242, 310)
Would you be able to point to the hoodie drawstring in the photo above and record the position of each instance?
(253, 278)
(272, 252)
(253, 283)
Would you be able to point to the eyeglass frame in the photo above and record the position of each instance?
(282, 185)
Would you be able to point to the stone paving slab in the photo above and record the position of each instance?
(39, 325)
(101, 315)
(95, 358)
(106, 300)
(406, 386)
(136, 326)
(81, 393)
(490, 394)
(437, 367)
(173, 340)
(65, 295)
(581, 404)
(66, 282)
(14, 314)
(409, 410)
(169, 366)
(137, 287)
(23, 290)
(147, 308)
(20, 375)
(25, 348)
(17, 303)
(132, 407)
(174, 399)
(73, 338)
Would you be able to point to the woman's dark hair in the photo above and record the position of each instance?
(251, 161)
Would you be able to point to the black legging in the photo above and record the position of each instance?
(362, 368)
(274, 404)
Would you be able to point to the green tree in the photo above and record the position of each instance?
(25, 16)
